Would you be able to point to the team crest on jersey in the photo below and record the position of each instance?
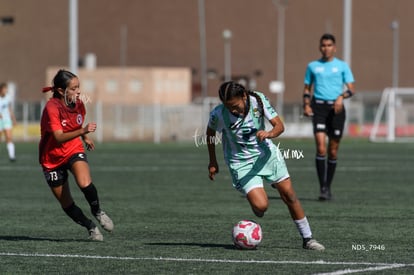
(79, 119)
(256, 112)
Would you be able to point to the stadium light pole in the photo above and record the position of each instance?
(395, 52)
(203, 50)
(73, 36)
(7, 21)
(347, 43)
(123, 46)
(280, 73)
(227, 35)
(395, 64)
(347, 38)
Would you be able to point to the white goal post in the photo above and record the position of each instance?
(394, 119)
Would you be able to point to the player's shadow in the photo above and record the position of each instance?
(210, 245)
(204, 245)
(300, 198)
(27, 238)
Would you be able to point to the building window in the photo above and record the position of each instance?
(88, 85)
(112, 86)
(135, 86)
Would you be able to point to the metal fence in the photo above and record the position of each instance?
(159, 123)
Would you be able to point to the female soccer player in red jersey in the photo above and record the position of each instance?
(61, 149)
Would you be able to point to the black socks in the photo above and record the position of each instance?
(330, 171)
(76, 214)
(321, 169)
(325, 170)
(91, 195)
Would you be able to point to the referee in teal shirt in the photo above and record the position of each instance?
(328, 81)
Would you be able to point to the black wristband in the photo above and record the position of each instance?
(347, 94)
(306, 95)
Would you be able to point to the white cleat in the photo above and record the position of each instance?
(105, 221)
(95, 234)
(313, 244)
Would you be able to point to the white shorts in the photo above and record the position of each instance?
(5, 124)
(271, 168)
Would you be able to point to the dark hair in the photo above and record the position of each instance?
(61, 80)
(3, 85)
(230, 89)
(327, 36)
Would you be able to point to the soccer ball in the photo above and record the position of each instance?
(247, 234)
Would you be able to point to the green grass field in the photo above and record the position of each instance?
(170, 219)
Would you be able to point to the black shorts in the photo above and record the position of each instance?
(59, 175)
(325, 120)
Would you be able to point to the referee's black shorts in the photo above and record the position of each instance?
(325, 120)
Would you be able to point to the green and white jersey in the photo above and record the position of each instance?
(240, 144)
(4, 107)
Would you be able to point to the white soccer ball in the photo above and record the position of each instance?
(247, 234)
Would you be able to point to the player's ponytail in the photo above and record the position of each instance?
(61, 80)
(259, 101)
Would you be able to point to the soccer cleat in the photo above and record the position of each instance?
(325, 194)
(105, 221)
(313, 244)
(95, 234)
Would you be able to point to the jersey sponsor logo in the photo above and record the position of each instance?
(64, 123)
(319, 69)
(335, 69)
(79, 119)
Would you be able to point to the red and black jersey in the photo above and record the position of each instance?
(57, 116)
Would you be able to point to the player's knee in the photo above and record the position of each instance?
(333, 154)
(260, 209)
(321, 151)
(259, 212)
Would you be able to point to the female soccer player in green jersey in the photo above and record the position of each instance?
(251, 155)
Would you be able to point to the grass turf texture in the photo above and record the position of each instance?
(169, 218)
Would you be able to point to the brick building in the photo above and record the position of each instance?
(161, 33)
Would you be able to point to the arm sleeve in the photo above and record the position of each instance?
(54, 122)
(308, 76)
(348, 76)
(269, 111)
(214, 120)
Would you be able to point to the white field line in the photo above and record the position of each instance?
(375, 268)
(189, 167)
(169, 259)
